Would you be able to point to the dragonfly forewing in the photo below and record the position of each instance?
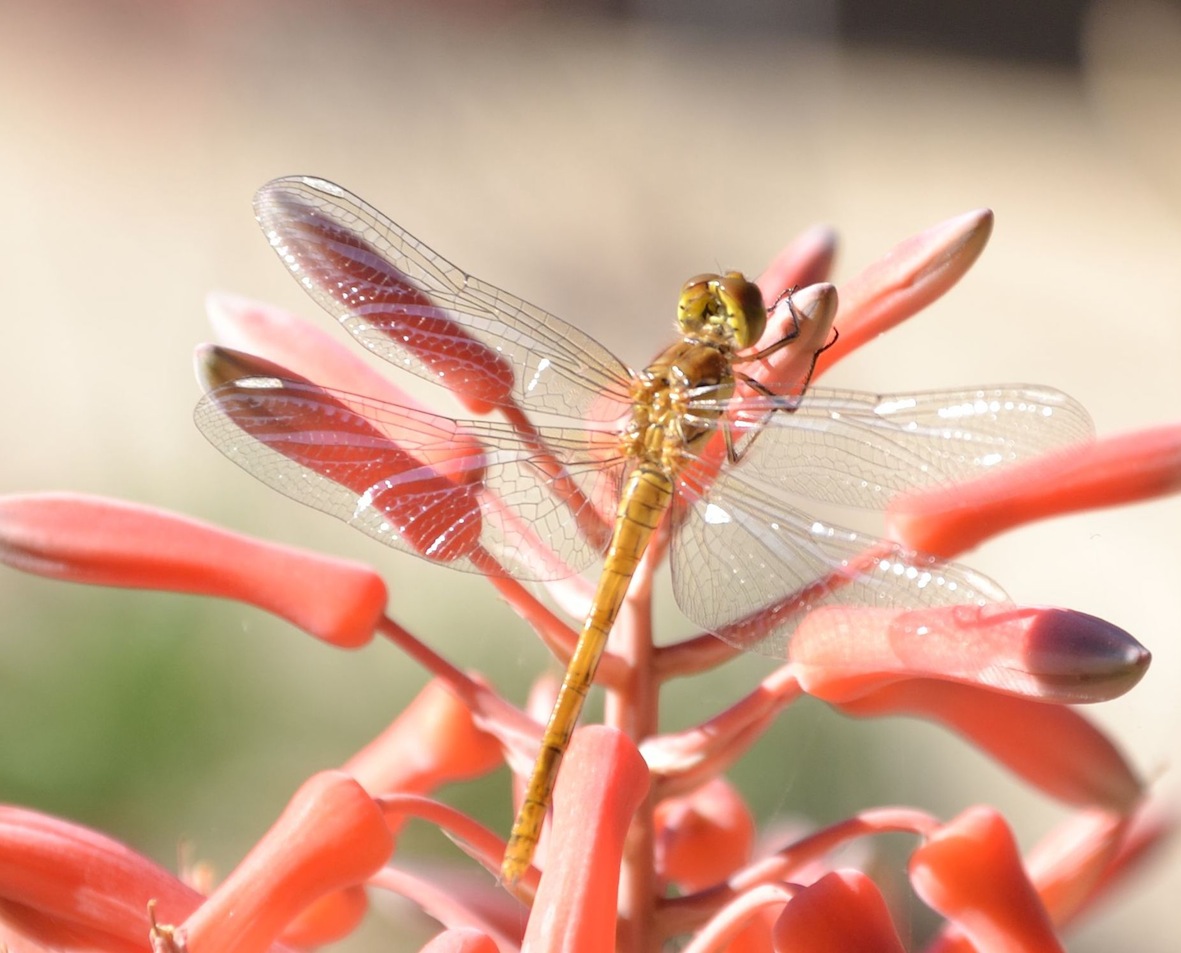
(861, 449)
(411, 306)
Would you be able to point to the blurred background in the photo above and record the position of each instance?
(588, 159)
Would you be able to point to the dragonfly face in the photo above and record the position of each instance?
(509, 496)
(724, 308)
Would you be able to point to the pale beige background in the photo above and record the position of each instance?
(589, 166)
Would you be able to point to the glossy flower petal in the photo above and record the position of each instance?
(461, 941)
(703, 837)
(842, 912)
(1051, 654)
(603, 781)
(970, 871)
(327, 919)
(331, 836)
(1109, 472)
(433, 741)
(914, 273)
(1052, 747)
(69, 887)
(111, 543)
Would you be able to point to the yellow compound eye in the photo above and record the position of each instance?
(727, 305)
(745, 312)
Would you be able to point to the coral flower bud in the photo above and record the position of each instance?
(703, 837)
(465, 940)
(61, 882)
(843, 911)
(1052, 747)
(385, 485)
(1050, 654)
(111, 543)
(1109, 472)
(306, 348)
(433, 741)
(603, 781)
(809, 317)
(971, 872)
(1067, 864)
(331, 836)
(911, 275)
(806, 260)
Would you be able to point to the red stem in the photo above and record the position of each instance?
(632, 706)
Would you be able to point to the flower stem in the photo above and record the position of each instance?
(633, 706)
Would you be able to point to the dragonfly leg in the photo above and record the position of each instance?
(728, 436)
(787, 403)
(734, 451)
(788, 338)
(796, 319)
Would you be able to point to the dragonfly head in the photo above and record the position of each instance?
(723, 308)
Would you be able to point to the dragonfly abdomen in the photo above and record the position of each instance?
(645, 499)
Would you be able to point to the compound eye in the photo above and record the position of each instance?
(746, 313)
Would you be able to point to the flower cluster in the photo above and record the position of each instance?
(647, 842)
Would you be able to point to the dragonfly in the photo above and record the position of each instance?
(572, 457)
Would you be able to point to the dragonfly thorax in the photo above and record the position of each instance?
(662, 430)
(723, 309)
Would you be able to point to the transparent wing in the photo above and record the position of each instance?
(735, 552)
(473, 495)
(414, 308)
(859, 449)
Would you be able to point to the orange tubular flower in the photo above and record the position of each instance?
(461, 941)
(842, 911)
(603, 783)
(332, 835)
(636, 812)
(971, 872)
(432, 742)
(65, 887)
(1124, 469)
(111, 543)
(703, 837)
